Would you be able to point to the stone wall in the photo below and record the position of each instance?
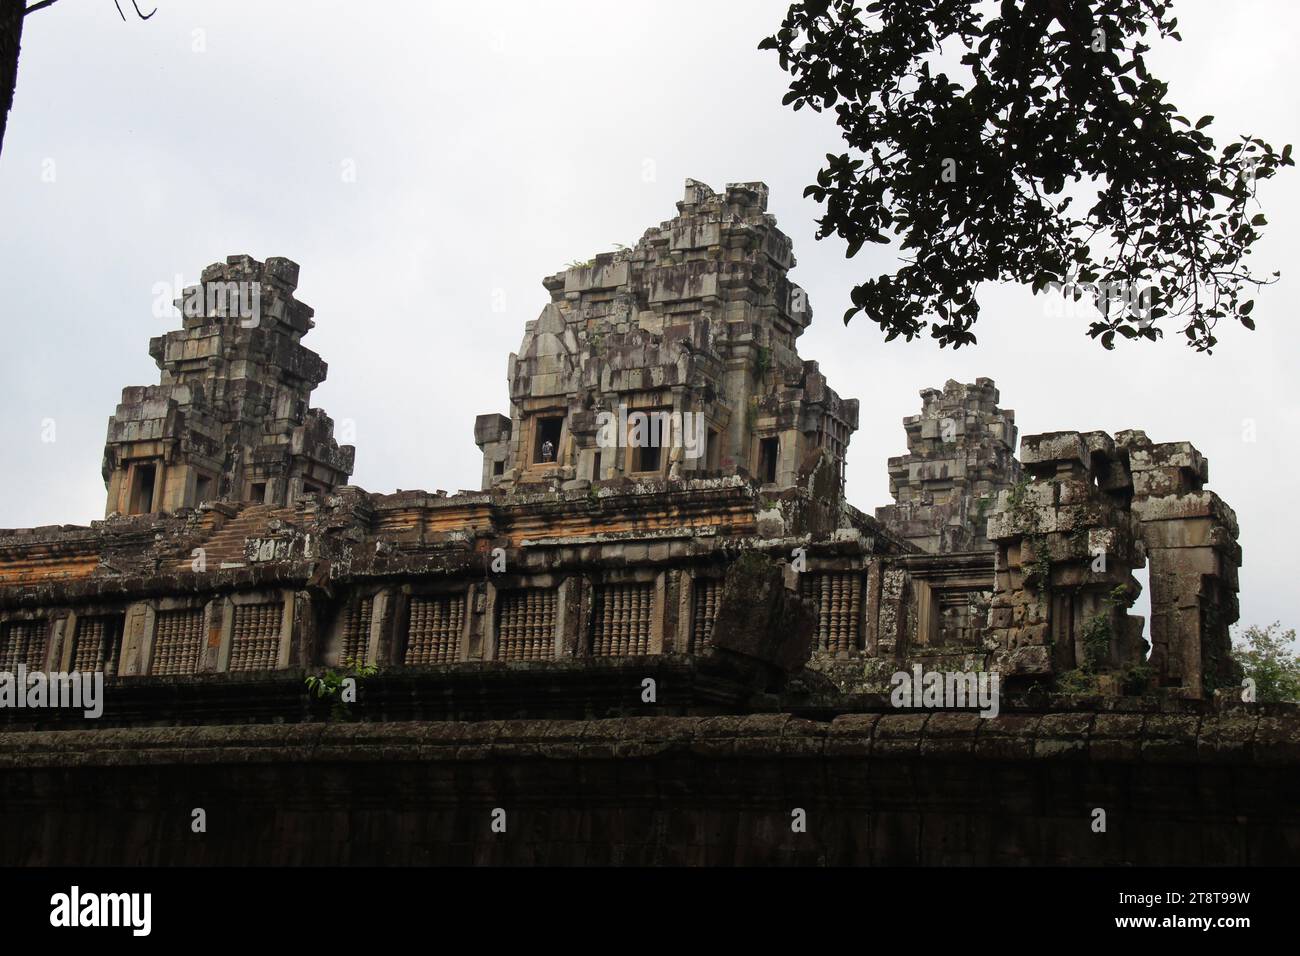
(414, 581)
(1197, 788)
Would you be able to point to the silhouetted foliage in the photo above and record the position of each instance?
(967, 161)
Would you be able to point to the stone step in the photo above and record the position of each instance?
(226, 545)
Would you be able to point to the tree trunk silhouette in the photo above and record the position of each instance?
(11, 32)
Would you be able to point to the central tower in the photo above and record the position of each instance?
(671, 359)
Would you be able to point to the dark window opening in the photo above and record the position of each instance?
(646, 458)
(499, 468)
(768, 450)
(713, 451)
(649, 432)
(258, 492)
(202, 489)
(143, 488)
(595, 468)
(548, 430)
(310, 489)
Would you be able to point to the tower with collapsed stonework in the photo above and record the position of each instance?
(1066, 525)
(960, 456)
(699, 318)
(230, 418)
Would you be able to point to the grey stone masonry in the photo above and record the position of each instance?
(1092, 509)
(960, 454)
(691, 331)
(230, 419)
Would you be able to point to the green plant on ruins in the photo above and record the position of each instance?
(1096, 642)
(1016, 495)
(1074, 682)
(1018, 505)
(334, 682)
(876, 672)
(1040, 569)
(1137, 678)
(1097, 634)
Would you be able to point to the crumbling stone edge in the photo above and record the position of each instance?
(1211, 739)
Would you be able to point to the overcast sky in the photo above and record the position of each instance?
(493, 143)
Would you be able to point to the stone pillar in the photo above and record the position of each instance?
(1190, 536)
(891, 634)
(871, 606)
(379, 643)
(490, 621)
(137, 639)
(492, 434)
(572, 600)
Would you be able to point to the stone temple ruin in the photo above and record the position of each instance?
(654, 628)
(229, 421)
(697, 320)
(669, 464)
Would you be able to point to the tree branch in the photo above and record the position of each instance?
(137, 11)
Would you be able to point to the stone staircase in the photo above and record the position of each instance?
(226, 546)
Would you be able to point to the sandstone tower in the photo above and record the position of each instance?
(230, 418)
(960, 455)
(698, 319)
